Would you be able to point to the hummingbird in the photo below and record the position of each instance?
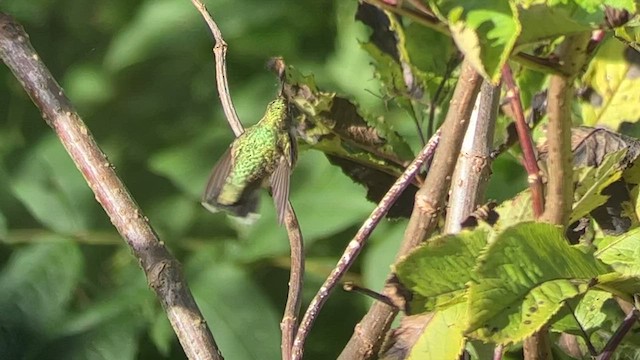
(263, 155)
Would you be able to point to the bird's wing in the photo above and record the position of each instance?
(217, 180)
(280, 187)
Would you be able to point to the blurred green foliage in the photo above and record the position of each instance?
(141, 74)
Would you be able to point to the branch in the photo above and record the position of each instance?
(353, 249)
(368, 334)
(474, 163)
(220, 53)
(161, 268)
(573, 55)
(620, 333)
(526, 143)
(289, 323)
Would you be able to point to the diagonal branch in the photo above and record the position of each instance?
(161, 268)
(366, 339)
(355, 246)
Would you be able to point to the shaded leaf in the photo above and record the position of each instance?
(370, 152)
(485, 31)
(37, 284)
(228, 298)
(53, 190)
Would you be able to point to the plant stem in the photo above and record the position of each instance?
(572, 54)
(368, 334)
(161, 268)
(526, 143)
(620, 333)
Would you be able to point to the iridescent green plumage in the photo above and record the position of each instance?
(263, 154)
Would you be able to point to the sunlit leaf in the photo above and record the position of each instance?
(439, 270)
(614, 77)
(523, 281)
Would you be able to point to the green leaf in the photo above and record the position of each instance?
(445, 324)
(484, 31)
(114, 339)
(588, 314)
(592, 181)
(38, 282)
(614, 76)
(51, 187)
(367, 149)
(561, 19)
(162, 334)
(236, 307)
(526, 273)
(621, 252)
(439, 270)
(154, 26)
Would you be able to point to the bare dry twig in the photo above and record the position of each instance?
(161, 268)
(289, 323)
(355, 245)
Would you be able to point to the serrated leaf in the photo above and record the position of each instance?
(614, 76)
(587, 314)
(439, 270)
(559, 20)
(51, 187)
(485, 32)
(367, 150)
(38, 282)
(525, 274)
(621, 252)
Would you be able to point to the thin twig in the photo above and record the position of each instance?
(620, 333)
(351, 287)
(220, 53)
(526, 143)
(355, 245)
(289, 323)
(161, 268)
(369, 333)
